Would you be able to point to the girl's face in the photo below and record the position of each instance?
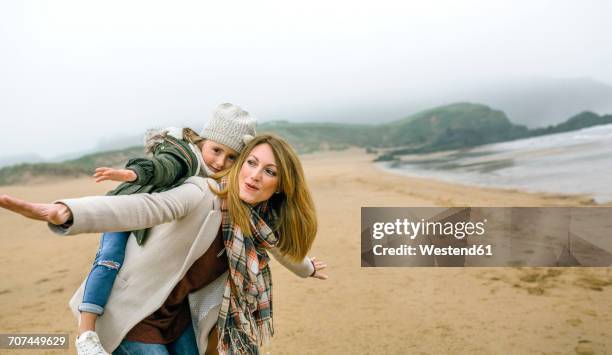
(217, 156)
(258, 178)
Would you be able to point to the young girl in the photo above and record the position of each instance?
(177, 154)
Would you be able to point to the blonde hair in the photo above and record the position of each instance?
(192, 137)
(296, 226)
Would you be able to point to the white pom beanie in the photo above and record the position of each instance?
(230, 126)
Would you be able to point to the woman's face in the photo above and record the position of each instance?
(258, 178)
(218, 156)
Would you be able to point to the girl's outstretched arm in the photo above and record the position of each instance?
(159, 170)
(123, 175)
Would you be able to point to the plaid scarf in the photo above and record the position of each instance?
(245, 317)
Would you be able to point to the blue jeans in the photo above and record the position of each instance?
(185, 345)
(104, 272)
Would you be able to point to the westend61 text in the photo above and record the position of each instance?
(432, 250)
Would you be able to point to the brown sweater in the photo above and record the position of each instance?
(167, 323)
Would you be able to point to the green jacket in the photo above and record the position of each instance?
(172, 161)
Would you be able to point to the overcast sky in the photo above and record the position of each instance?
(75, 72)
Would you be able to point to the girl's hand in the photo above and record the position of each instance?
(54, 213)
(318, 265)
(123, 175)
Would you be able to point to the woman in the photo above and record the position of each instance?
(182, 277)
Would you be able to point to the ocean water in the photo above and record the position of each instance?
(577, 162)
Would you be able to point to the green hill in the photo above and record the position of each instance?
(581, 120)
(452, 126)
(455, 126)
(447, 127)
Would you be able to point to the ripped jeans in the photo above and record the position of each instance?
(104, 272)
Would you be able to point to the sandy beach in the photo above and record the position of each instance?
(358, 310)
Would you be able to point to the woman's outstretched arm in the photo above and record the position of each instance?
(318, 266)
(115, 213)
(308, 267)
(55, 213)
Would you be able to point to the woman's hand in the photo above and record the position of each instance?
(318, 265)
(54, 213)
(123, 175)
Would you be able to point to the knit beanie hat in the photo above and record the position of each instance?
(230, 126)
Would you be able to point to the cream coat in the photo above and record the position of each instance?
(184, 221)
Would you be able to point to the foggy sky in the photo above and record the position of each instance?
(76, 72)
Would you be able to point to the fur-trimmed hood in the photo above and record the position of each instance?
(155, 136)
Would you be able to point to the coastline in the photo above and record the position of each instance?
(572, 199)
(359, 169)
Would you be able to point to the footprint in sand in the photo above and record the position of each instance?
(586, 347)
(42, 280)
(592, 282)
